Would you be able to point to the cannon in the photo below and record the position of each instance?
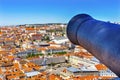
(102, 39)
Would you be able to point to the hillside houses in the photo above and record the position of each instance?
(43, 52)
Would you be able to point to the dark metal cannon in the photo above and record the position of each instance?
(102, 39)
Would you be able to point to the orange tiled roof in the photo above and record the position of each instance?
(27, 69)
(41, 48)
(54, 47)
(105, 77)
(54, 77)
(83, 54)
(0, 33)
(101, 67)
(1, 71)
(10, 57)
(13, 50)
(89, 77)
(11, 77)
(51, 42)
(7, 72)
(30, 28)
(16, 65)
(3, 52)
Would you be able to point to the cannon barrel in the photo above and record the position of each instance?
(102, 39)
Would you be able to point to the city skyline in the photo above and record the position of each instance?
(15, 12)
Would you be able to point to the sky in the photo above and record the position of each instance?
(15, 12)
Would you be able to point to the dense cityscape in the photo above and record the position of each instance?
(43, 52)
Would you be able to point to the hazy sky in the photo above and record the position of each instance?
(47, 11)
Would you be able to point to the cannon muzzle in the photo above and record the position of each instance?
(102, 39)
